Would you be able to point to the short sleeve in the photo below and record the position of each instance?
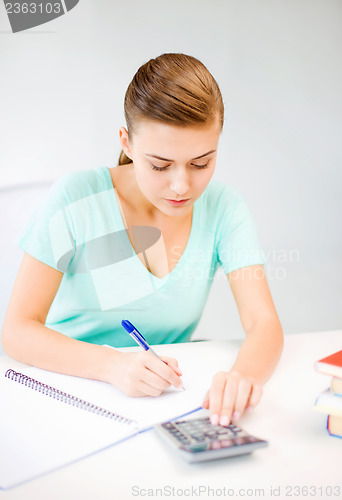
(48, 234)
(238, 244)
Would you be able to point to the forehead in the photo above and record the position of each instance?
(164, 139)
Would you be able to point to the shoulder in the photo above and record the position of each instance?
(78, 184)
(221, 197)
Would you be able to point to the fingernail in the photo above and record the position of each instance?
(236, 415)
(249, 408)
(214, 419)
(224, 421)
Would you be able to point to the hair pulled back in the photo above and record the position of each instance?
(175, 89)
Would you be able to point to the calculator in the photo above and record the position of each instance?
(197, 440)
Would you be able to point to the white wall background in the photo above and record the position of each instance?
(278, 64)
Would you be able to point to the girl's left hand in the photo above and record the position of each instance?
(229, 395)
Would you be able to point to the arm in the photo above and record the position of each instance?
(26, 338)
(241, 387)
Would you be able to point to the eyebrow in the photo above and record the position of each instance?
(167, 159)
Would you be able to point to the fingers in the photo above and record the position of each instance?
(155, 375)
(155, 382)
(231, 392)
(173, 363)
(216, 397)
(148, 390)
(255, 396)
(168, 369)
(229, 396)
(140, 374)
(243, 396)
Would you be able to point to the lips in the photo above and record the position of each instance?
(177, 203)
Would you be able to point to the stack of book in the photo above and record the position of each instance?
(330, 400)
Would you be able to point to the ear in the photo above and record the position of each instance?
(124, 141)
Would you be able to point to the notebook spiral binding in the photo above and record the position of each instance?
(54, 393)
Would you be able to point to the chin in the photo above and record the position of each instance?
(175, 211)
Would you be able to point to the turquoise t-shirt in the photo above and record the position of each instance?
(78, 229)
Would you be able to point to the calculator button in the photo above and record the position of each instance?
(200, 439)
(241, 434)
(215, 445)
(184, 439)
(226, 436)
(211, 434)
(198, 446)
(225, 443)
(190, 430)
(168, 425)
(240, 440)
(221, 431)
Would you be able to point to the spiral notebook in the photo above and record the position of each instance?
(48, 420)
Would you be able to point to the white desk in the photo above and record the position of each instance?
(300, 453)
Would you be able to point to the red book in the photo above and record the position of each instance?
(331, 365)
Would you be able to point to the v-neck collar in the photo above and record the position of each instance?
(187, 248)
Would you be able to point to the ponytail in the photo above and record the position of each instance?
(123, 159)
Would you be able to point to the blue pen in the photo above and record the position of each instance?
(136, 335)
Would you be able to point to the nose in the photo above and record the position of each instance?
(180, 181)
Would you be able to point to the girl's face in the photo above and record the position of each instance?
(172, 163)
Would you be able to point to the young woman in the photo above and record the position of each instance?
(142, 241)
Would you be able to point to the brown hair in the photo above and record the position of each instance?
(176, 89)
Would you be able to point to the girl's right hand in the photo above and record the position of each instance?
(141, 373)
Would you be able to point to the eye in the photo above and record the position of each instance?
(160, 169)
(201, 166)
